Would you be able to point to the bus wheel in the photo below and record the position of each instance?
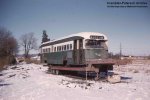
(57, 72)
(53, 71)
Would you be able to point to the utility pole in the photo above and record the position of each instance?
(120, 51)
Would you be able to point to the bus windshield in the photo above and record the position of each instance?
(95, 43)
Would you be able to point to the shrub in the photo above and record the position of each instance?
(9, 60)
(135, 71)
(147, 71)
(3, 62)
(148, 57)
(8, 48)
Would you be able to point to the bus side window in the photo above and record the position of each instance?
(70, 46)
(54, 49)
(59, 48)
(64, 47)
(67, 46)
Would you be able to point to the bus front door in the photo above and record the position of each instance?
(78, 51)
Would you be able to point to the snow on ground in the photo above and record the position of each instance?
(32, 82)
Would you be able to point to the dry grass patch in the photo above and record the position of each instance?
(135, 71)
(123, 61)
(147, 71)
(29, 60)
(3, 62)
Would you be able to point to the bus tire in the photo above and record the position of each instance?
(57, 72)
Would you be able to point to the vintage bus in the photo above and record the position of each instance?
(80, 50)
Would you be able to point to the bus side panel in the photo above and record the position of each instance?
(70, 57)
(44, 58)
(81, 56)
(60, 57)
(56, 57)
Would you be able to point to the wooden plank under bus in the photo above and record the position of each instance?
(68, 68)
(102, 62)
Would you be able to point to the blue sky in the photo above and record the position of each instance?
(128, 26)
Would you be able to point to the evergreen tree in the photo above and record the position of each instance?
(45, 37)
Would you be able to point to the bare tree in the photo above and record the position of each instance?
(8, 46)
(28, 42)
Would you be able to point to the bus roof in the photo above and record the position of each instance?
(81, 35)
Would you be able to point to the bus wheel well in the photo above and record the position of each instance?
(45, 61)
